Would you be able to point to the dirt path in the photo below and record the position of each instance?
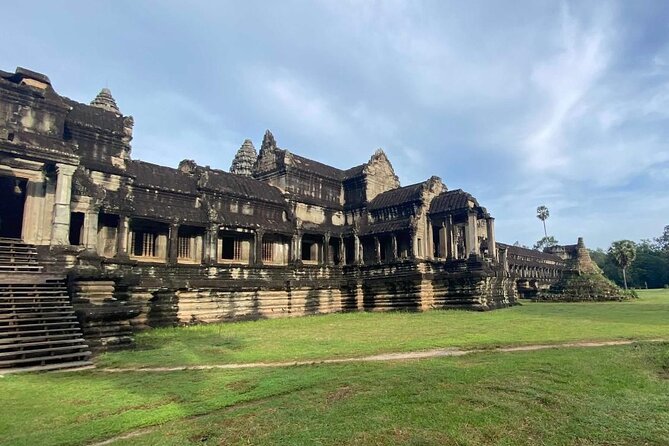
(435, 353)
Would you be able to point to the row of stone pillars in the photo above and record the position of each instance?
(447, 238)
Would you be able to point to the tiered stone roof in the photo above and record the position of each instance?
(105, 101)
(244, 159)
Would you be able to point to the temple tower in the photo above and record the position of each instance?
(105, 101)
(244, 159)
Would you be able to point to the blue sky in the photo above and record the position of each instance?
(563, 104)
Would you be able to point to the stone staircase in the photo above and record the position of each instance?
(38, 328)
(16, 256)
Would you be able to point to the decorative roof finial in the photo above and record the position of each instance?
(268, 142)
(105, 101)
(244, 159)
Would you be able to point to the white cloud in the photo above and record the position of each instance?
(564, 80)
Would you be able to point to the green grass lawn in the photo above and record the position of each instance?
(359, 334)
(599, 396)
(588, 396)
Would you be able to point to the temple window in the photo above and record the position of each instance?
(76, 228)
(334, 251)
(275, 249)
(189, 244)
(267, 251)
(148, 240)
(311, 246)
(235, 247)
(107, 233)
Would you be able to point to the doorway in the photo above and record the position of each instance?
(12, 201)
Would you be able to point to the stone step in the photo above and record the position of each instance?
(72, 365)
(20, 268)
(46, 350)
(22, 345)
(31, 294)
(25, 257)
(35, 316)
(27, 303)
(42, 360)
(39, 327)
(41, 335)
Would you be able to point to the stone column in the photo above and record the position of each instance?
(298, 248)
(429, 240)
(211, 245)
(342, 251)
(258, 245)
(412, 243)
(443, 241)
(357, 250)
(91, 230)
(33, 218)
(377, 250)
(60, 232)
(173, 249)
(393, 243)
(122, 236)
(503, 259)
(450, 233)
(326, 249)
(471, 238)
(492, 246)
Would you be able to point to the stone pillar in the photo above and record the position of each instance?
(60, 232)
(450, 233)
(357, 249)
(503, 259)
(258, 245)
(298, 248)
(33, 218)
(429, 240)
(443, 241)
(173, 245)
(342, 251)
(122, 236)
(377, 250)
(412, 243)
(471, 238)
(326, 249)
(211, 245)
(492, 246)
(91, 230)
(393, 242)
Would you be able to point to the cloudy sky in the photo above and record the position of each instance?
(563, 104)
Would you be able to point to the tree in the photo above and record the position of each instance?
(545, 242)
(543, 214)
(623, 253)
(662, 241)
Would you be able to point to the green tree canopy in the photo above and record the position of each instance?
(545, 242)
(623, 253)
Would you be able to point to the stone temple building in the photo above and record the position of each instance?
(95, 245)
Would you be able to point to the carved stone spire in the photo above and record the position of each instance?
(244, 159)
(268, 142)
(105, 101)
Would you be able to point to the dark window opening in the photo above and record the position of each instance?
(12, 201)
(76, 228)
(230, 248)
(349, 245)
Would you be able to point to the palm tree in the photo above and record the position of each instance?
(543, 214)
(623, 253)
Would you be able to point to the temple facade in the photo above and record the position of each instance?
(141, 245)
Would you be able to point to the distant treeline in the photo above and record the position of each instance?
(650, 268)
